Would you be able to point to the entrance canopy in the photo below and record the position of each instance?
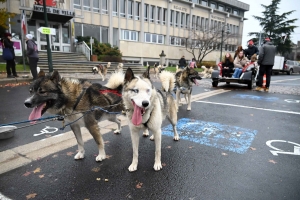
(54, 14)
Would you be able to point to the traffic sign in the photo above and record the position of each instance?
(46, 30)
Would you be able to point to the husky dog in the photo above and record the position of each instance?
(178, 69)
(146, 108)
(184, 84)
(119, 68)
(72, 97)
(102, 70)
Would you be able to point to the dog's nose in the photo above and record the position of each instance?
(28, 104)
(145, 103)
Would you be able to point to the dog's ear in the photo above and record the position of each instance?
(41, 73)
(55, 77)
(146, 74)
(129, 75)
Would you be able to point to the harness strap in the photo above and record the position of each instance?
(146, 123)
(79, 98)
(110, 91)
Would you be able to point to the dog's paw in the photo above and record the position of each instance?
(132, 167)
(146, 133)
(176, 138)
(189, 108)
(157, 166)
(100, 157)
(152, 137)
(117, 132)
(79, 155)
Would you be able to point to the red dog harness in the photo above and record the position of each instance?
(110, 91)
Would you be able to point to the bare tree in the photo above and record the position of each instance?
(203, 41)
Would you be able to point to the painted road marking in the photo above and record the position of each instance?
(250, 107)
(292, 101)
(277, 81)
(46, 130)
(279, 151)
(231, 138)
(255, 97)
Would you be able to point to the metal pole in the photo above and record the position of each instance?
(47, 37)
(221, 44)
(259, 41)
(23, 39)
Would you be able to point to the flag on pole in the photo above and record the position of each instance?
(24, 22)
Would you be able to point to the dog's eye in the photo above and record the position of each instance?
(148, 90)
(135, 90)
(30, 90)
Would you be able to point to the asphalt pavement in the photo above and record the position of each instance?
(235, 144)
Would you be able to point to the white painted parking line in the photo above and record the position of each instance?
(277, 81)
(250, 107)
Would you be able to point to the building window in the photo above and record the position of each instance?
(115, 8)
(86, 5)
(182, 20)
(104, 7)
(176, 41)
(152, 13)
(146, 12)
(104, 34)
(171, 17)
(193, 22)
(130, 9)
(221, 8)
(122, 8)
(204, 3)
(197, 23)
(202, 23)
(237, 30)
(154, 38)
(129, 35)
(96, 5)
(177, 19)
(213, 5)
(77, 4)
(187, 21)
(137, 10)
(158, 15)
(235, 12)
(229, 10)
(165, 11)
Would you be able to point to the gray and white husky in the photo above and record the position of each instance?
(146, 108)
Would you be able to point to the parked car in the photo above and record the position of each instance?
(292, 66)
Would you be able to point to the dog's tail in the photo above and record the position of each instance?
(115, 80)
(167, 81)
(108, 65)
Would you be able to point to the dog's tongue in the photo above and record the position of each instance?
(137, 115)
(196, 82)
(36, 112)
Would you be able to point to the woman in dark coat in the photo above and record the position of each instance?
(227, 65)
(10, 64)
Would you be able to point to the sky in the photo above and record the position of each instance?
(252, 25)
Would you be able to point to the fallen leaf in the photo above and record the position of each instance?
(31, 196)
(26, 174)
(38, 158)
(168, 147)
(106, 142)
(47, 136)
(139, 185)
(272, 161)
(70, 153)
(37, 170)
(98, 179)
(8, 90)
(55, 156)
(251, 115)
(164, 164)
(96, 169)
(252, 148)
(106, 180)
(224, 154)
(191, 147)
(42, 176)
(108, 156)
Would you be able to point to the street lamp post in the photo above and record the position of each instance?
(222, 36)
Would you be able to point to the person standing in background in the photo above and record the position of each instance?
(10, 64)
(266, 61)
(32, 54)
(182, 62)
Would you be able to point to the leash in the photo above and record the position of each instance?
(60, 118)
